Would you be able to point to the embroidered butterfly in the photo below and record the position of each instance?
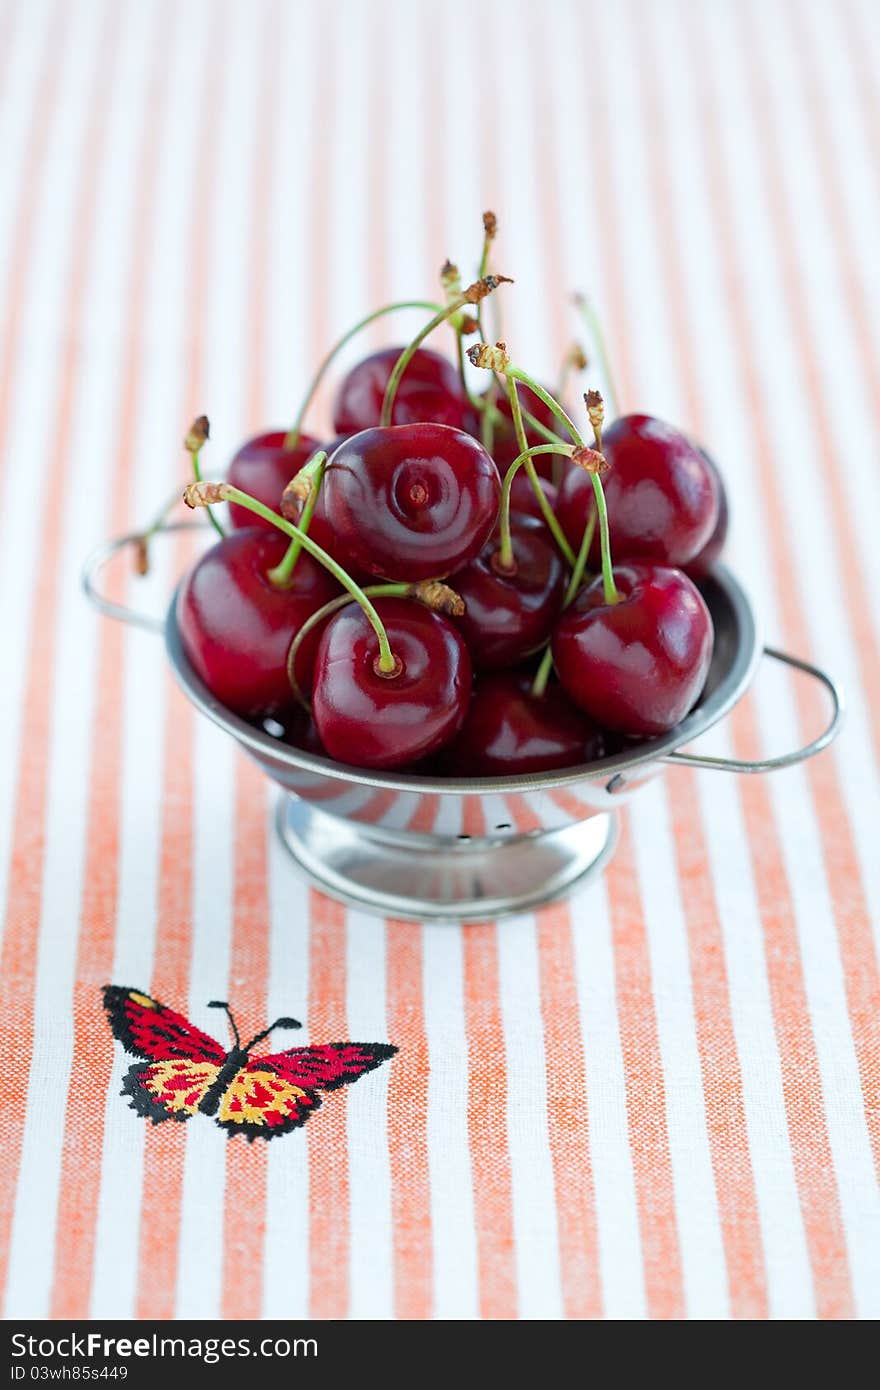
(185, 1072)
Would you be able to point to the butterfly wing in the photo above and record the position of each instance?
(326, 1067)
(169, 1090)
(148, 1029)
(261, 1104)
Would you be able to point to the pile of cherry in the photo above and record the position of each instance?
(417, 593)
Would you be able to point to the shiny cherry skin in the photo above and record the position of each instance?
(508, 616)
(236, 627)
(702, 563)
(411, 501)
(263, 468)
(370, 720)
(430, 389)
(637, 666)
(504, 446)
(509, 731)
(662, 499)
(522, 495)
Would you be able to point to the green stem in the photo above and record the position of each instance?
(542, 675)
(373, 591)
(211, 517)
(282, 574)
(591, 319)
(611, 592)
(387, 663)
(408, 353)
(292, 437)
(506, 557)
(517, 374)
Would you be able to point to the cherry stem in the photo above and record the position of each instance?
(517, 374)
(390, 590)
(588, 313)
(474, 294)
(505, 553)
(292, 438)
(542, 675)
(197, 472)
(202, 494)
(282, 574)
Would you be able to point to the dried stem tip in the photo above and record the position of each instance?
(439, 597)
(295, 495)
(205, 494)
(199, 431)
(480, 288)
(141, 556)
(595, 408)
(578, 358)
(450, 279)
(490, 225)
(590, 460)
(468, 325)
(495, 359)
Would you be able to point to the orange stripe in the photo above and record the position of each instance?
(722, 1078)
(425, 814)
(644, 1079)
(31, 187)
(84, 1122)
(327, 1132)
(524, 817)
(407, 1125)
(23, 908)
(645, 1087)
(812, 1156)
(719, 1060)
(801, 1080)
(840, 856)
(568, 1124)
(246, 1171)
(165, 1144)
(487, 1123)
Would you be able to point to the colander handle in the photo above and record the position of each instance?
(97, 560)
(799, 755)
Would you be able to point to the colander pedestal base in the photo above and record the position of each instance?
(419, 877)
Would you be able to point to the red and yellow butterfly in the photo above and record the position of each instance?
(185, 1072)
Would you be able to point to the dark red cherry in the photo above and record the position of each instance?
(411, 501)
(430, 389)
(508, 730)
(371, 720)
(508, 616)
(662, 499)
(504, 446)
(639, 665)
(522, 494)
(236, 627)
(702, 563)
(263, 468)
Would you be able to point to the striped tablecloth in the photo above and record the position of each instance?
(660, 1099)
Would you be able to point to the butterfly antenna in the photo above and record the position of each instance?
(222, 1004)
(279, 1023)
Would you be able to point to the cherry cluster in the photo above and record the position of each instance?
(434, 587)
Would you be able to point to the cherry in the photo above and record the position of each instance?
(639, 664)
(411, 501)
(504, 445)
(236, 626)
(369, 719)
(509, 614)
(522, 495)
(662, 499)
(703, 562)
(263, 467)
(430, 389)
(509, 730)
